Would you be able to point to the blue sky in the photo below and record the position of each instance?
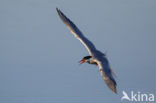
(39, 56)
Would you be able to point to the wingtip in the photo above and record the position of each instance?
(57, 9)
(112, 87)
(115, 91)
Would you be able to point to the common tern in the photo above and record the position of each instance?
(95, 56)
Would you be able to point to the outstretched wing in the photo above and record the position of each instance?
(100, 57)
(106, 73)
(77, 33)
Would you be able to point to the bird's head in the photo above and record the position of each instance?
(85, 59)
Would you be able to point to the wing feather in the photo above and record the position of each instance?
(102, 61)
(77, 33)
(106, 73)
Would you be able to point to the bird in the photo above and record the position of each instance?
(95, 57)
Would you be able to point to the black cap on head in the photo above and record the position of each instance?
(87, 57)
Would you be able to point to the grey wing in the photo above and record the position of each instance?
(106, 73)
(77, 33)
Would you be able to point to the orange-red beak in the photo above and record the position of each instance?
(82, 61)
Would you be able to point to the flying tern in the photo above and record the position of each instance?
(95, 56)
